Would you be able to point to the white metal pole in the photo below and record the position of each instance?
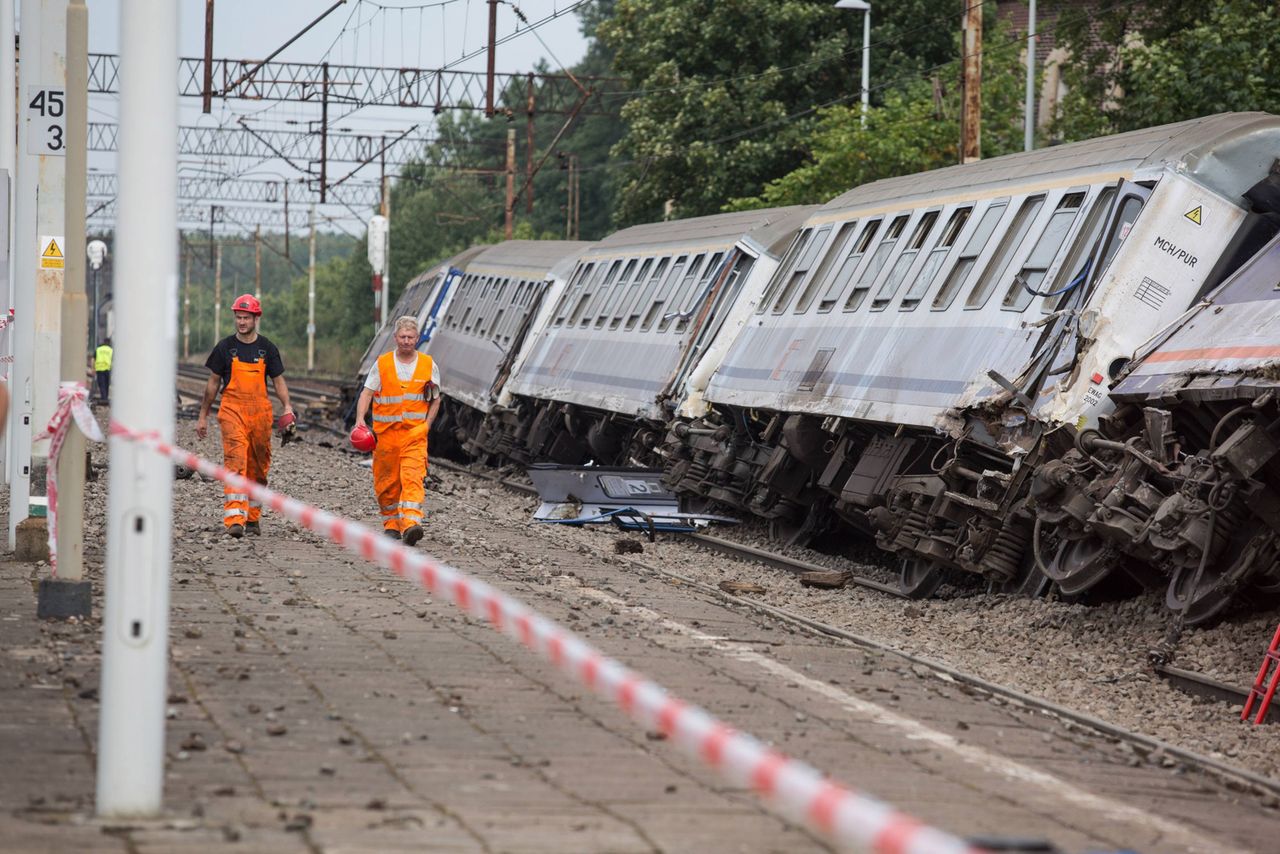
(8, 136)
(135, 624)
(311, 295)
(1029, 128)
(38, 213)
(866, 64)
(75, 314)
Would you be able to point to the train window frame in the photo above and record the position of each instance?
(844, 273)
(628, 293)
(1040, 260)
(844, 236)
(706, 281)
(660, 299)
(692, 274)
(600, 289)
(1013, 241)
(877, 261)
(921, 232)
(805, 264)
(619, 287)
(976, 244)
(646, 293)
(571, 291)
(936, 258)
(780, 275)
(1083, 240)
(584, 295)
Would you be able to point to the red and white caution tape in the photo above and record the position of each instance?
(73, 404)
(797, 790)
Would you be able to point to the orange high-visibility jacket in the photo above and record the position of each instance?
(402, 404)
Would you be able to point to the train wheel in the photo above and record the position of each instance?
(1081, 564)
(1213, 593)
(1029, 581)
(919, 578)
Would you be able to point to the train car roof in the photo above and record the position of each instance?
(527, 259)
(1212, 148)
(771, 228)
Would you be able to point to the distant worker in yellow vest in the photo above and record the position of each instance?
(102, 367)
(404, 388)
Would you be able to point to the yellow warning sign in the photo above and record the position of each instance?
(1196, 214)
(51, 257)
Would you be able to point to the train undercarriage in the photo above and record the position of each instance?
(1186, 497)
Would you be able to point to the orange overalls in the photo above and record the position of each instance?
(400, 457)
(245, 419)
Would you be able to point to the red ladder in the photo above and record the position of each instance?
(1257, 692)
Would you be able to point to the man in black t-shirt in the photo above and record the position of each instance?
(240, 366)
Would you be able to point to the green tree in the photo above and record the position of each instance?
(1139, 66)
(911, 131)
(729, 89)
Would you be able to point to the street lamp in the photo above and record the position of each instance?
(97, 252)
(865, 8)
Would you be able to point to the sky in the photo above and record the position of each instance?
(395, 33)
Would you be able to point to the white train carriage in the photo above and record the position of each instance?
(924, 332)
(644, 307)
(480, 325)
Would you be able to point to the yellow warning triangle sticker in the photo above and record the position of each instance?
(1195, 214)
(52, 250)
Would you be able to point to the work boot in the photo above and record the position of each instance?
(235, 531)
(392, 533)
(253, 528)
(412, 535)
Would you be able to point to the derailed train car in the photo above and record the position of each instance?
(622, 348)
(930, 342)
(482, 325)
(1183, 479)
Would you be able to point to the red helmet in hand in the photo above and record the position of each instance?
(362, 439)
(285, 421)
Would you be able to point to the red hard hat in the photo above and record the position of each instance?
(285, 421)
(247, 302)
(362, 438)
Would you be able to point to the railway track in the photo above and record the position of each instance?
(314, 399)
(1189, 682)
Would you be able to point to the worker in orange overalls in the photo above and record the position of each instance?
(404, 388)
(240, 365)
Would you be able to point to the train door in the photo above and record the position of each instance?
(428, 323)
(1127, 203)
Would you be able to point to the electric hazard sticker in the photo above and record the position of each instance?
(51, 255)
(1196, 214)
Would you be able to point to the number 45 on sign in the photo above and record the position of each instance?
(46, 117)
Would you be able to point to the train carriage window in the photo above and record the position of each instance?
(599, 290)
(692, 303)
(680, 294)
(1009, 244)
(1031, 276)
(584, 296)
(877, 261)
(615, 293)
(1073, 270)
(1130, 207)
(571, 292)
(629, 293)
(842, 276)
(933, 263)
(889, 289)
(803, 265)
(645, 294)
(783, 273)
(969, 255)
(658, 306)
(829, 258)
